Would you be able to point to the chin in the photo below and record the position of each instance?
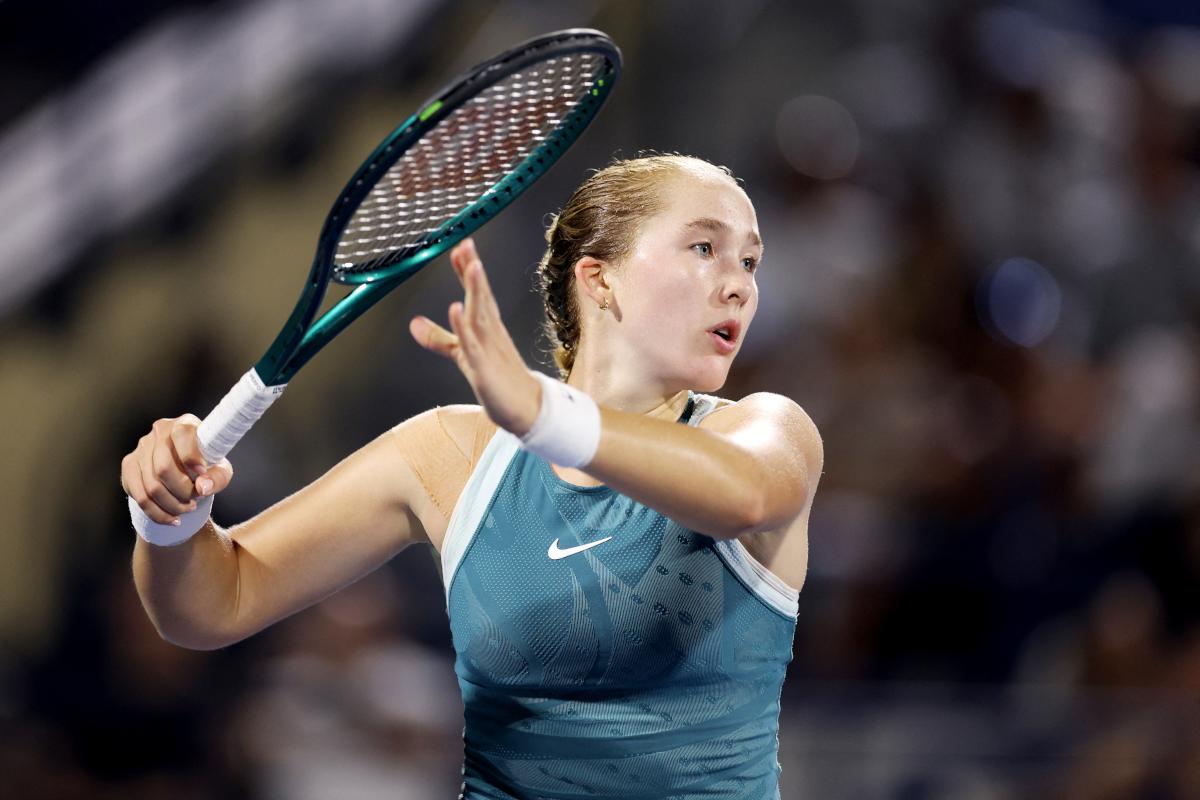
(710, 379)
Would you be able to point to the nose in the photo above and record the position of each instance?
(738, 285)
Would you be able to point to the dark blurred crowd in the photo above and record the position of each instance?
(982, 281)
(1006, 381)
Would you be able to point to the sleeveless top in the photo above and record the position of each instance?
(603, 650)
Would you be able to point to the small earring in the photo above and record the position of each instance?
(604, 304)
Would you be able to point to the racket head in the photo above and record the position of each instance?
(470, 150)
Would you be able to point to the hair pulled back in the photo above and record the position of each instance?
(602, 220)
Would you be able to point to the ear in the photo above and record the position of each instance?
(592, 277)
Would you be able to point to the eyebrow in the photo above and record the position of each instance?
(717, 226)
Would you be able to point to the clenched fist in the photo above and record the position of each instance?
(166, 473)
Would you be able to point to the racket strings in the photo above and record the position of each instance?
(462, 159)
(434, 182)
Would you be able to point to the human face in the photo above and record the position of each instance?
(691, 271)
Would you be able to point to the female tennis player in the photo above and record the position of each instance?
(621, 550)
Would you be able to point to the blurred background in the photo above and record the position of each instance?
(982, 281)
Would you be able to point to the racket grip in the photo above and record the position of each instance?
(237, 412)
(170, 535)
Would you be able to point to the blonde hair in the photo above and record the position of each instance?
(601, 219)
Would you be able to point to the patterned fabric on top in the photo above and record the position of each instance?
(647, 663)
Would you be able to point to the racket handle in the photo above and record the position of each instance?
(170, 535)
(237, 412)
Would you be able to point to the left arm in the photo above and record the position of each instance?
(748, 469)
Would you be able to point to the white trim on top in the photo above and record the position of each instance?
(768, 586)
(705, 405)
(474, 501)
(477, 494)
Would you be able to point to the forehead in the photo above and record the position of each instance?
(698, 193)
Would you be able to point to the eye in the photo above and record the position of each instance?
(750, 263)
(703, 248)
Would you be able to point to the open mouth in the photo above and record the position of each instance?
(724, 344)
(727, 330)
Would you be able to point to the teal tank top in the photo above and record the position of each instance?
(605, 651)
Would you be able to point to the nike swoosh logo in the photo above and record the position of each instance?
(556, 553)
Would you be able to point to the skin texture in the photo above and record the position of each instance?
(752, 467)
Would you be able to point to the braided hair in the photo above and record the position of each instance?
(601, 219)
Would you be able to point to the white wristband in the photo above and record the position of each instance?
(567, 429)
(171, 535)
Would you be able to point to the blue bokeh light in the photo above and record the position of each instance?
(1020, 302)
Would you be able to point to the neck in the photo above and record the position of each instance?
(618, 379)
(635, 397)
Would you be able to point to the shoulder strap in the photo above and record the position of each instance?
(701, 405)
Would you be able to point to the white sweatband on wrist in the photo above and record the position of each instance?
(567, 429)
(171, 535)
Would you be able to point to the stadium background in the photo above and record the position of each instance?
(981, 281)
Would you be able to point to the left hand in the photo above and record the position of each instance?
(482, 349)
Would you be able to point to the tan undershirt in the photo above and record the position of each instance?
(443, 455)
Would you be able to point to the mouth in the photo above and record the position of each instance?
(725, 335)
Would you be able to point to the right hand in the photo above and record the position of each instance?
(166, 472)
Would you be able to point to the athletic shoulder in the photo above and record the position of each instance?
(445, 432)
(775, 403)
(442, 446)
(762, 404)
(780, 412)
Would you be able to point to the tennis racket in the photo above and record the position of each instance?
(467, 153)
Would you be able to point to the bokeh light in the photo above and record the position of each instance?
(818, 136)
(1020, 302)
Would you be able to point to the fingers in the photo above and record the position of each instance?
(461, 256)
(478, 341)
(166, 483)
(466, 345)
(484, 310)
(166, 472)
(215, 479)
(480, 303)
(206, 478)
(473, 322)
(187, 445)
(433, 337)
(140, 483)
(481, 309)
(131, 481)
(464, 259)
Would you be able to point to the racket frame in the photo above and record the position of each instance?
(301, 338)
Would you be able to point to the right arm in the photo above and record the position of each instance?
(221, 586)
